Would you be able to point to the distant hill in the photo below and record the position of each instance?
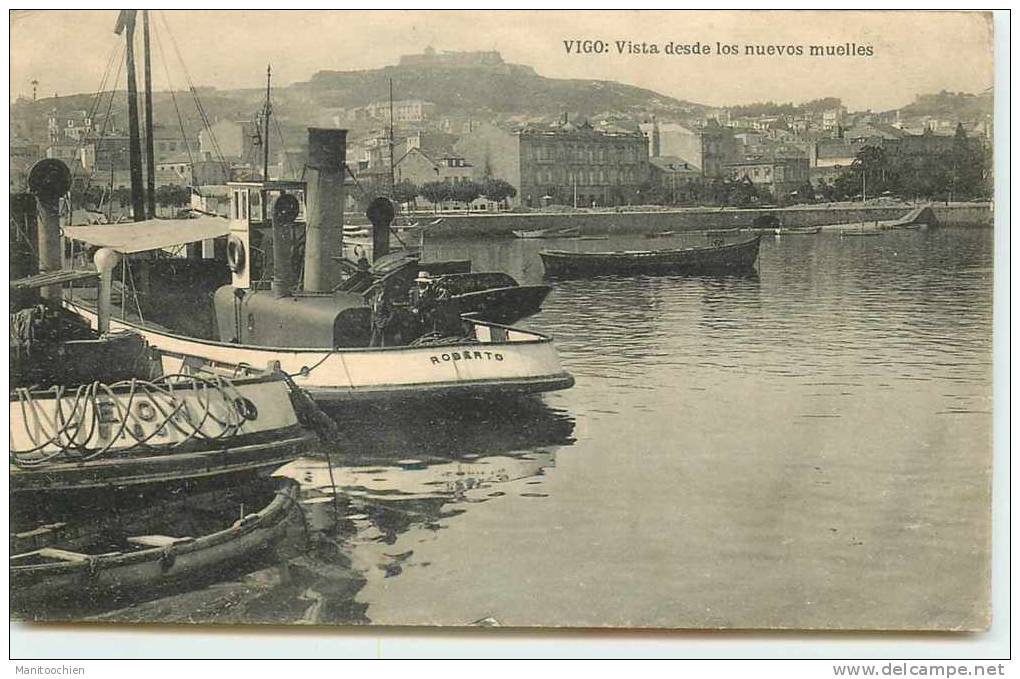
(951, 105)
(489, 89)
(500, 88)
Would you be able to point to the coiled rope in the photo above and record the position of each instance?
(222, 411)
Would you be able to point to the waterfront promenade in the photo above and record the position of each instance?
(649, 219)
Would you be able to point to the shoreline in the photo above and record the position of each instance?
(638, 221)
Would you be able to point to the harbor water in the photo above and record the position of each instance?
(808, 447)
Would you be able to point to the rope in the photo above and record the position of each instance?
(173, 96)
(194, 94)
(71, 431)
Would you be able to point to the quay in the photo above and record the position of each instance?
(639, 221)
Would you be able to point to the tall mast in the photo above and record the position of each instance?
(392, 169)
(150, 156)
(268, 111)
(126, 25)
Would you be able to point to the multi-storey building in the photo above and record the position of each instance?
(780, 176)
(576, 164)
(71, 126)
(707, 147)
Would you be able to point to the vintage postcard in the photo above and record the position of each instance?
(627, 319)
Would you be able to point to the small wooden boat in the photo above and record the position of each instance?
(711, 259)
(660, 234)
(588, 238)
(798, 231)
(547, 233)
(98, 549)
(494, 297)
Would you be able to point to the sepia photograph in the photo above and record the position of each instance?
(675, 320)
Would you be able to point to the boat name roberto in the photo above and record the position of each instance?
(467, 356)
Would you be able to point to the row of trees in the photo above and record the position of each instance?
(699, 191)
(440, 193)
(94, 196)
(960, 172)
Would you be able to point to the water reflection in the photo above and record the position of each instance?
(404, 474)
(801, 446)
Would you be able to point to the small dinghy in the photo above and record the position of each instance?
(562, 232)
(798, 231)
(99, 549)
(732, 258)
(495, 297)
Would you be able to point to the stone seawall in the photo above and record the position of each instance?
(960, 214)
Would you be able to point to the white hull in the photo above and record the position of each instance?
(503, 360)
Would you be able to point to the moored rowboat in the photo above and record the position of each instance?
(726, 258)
(547, 233)
(92, 556)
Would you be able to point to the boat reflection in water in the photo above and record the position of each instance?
(398, 474)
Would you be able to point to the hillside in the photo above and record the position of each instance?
(503, 89)
(951, 105)
(485, 91)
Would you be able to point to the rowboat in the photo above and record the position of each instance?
(547, 233)
(917, 219)
(846, 233)
(798, 231)
(101, 548)
(660, 234)
(492, 296)
(718, 258)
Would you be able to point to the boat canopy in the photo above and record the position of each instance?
(151, 234)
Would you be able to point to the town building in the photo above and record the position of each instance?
(452, 59)
(670, 174)
(230, 138)
(576, 164)
(708, 147)
(418, 168)
(780, 176)
(404, 111)
(69, 126)
(492, 151)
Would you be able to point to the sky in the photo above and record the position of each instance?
(913, 52)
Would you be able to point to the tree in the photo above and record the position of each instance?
(172, 195)
(436, 193)
(466, 192)
(122, 195)
(871, 167)
(88, 197)
(405, 191)
(498, 190)
(805, 192)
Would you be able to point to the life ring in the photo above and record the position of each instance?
(358, 250)
(235, 254)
